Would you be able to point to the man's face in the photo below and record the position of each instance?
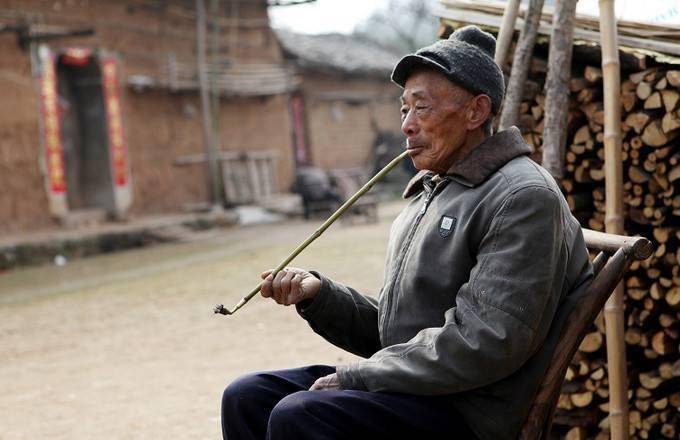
(433, 115)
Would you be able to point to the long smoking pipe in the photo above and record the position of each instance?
(345, 206)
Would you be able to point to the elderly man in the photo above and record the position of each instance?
(477, 266)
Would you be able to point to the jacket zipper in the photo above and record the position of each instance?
(404, 251)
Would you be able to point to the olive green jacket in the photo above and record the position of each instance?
(477, 265)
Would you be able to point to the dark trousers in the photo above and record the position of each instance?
(277, 405)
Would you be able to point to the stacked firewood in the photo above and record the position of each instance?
(650, 129)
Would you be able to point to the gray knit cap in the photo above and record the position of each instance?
(466, 58)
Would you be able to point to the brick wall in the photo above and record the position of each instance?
(159, 126)
(23, 202)
(248, 124)
(341, 131)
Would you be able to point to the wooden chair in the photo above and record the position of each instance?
(616, 253)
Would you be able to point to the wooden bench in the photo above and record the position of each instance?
(615, 254)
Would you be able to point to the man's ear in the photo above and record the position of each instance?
(478, 111)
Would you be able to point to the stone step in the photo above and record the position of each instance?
(84, 218)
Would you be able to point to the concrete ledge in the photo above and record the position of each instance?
(55, 245)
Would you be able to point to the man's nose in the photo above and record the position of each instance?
(409, 126)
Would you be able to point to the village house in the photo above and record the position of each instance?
(345, 103)
(100, 103)
(102, 116)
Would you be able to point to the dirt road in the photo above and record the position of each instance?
(125, 346)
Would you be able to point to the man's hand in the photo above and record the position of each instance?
(290, 286)
(326, 383)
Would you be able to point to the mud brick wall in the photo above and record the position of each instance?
(342, 131)
(23, 202)
(159, 125)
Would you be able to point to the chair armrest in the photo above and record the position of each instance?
(638, 248)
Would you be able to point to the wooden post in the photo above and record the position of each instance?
(557, 88)
(613, 309)
(520, 65)
(214, 55)
(506, 31)
(208, 135)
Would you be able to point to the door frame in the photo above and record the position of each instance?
(51, 156)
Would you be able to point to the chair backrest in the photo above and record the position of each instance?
(616, 253)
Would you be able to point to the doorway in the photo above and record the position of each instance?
(82, 114)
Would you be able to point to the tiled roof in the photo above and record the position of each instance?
(339, 53)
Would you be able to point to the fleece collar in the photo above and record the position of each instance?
(487, 158)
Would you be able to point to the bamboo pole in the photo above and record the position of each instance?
(613, 309)
(345, 206)
(213, 49)
(208, 133)
(506, 31)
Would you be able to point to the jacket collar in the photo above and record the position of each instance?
(487, 158)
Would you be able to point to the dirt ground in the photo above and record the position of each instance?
(125, 346)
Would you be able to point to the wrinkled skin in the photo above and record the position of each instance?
(290, 286)
(442, 121)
